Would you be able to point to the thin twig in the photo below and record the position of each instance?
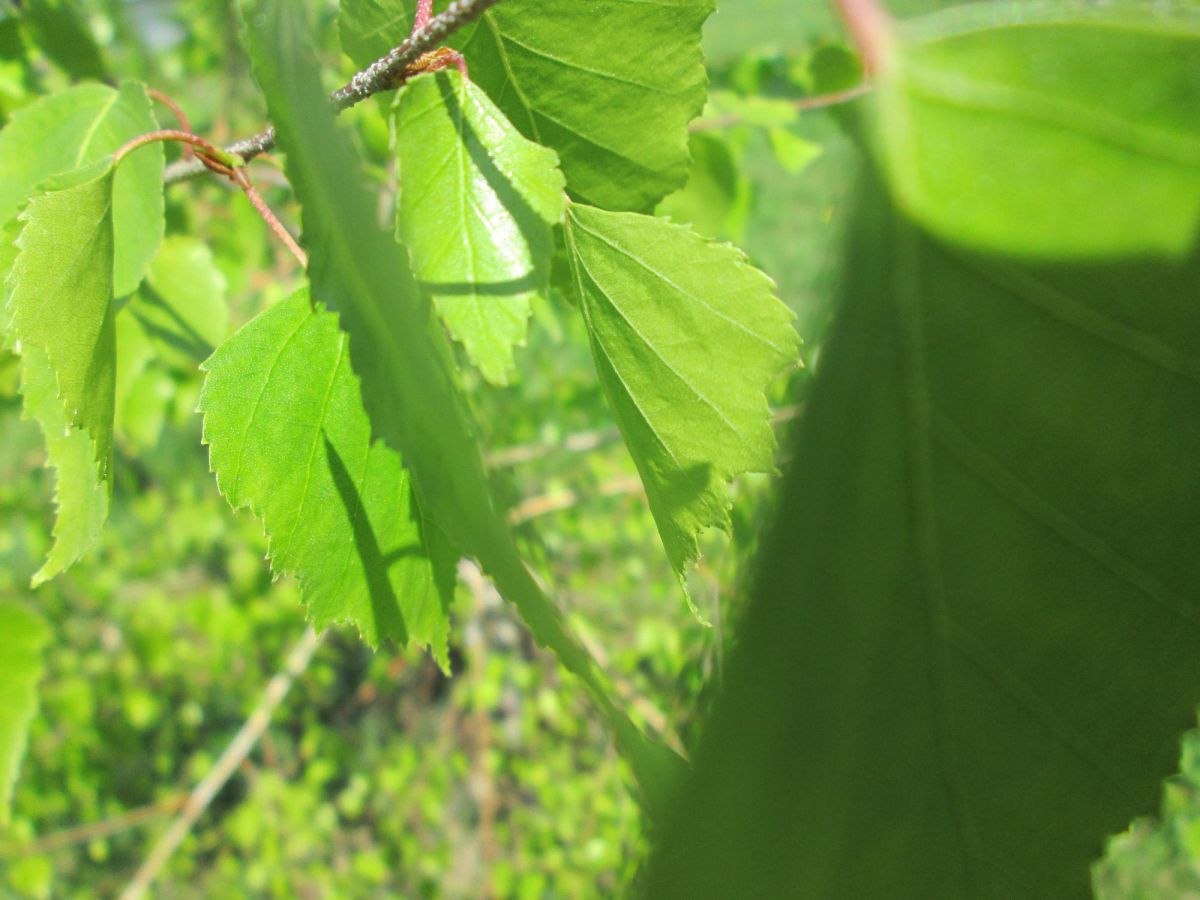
(104, 828)
(270, 218)
(239, 748)
(804, 104)
(385, 74)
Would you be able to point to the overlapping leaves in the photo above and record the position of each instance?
(289, 438)
(402, 359)
(610, 84)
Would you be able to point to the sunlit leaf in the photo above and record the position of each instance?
(78, 126)
(81, 494)
(686, 336)
(477, 202)
(1047, 129)
(60, 297)
(398, 351)
(288, 437)
(610, 84)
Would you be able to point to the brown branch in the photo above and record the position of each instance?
(385, 74)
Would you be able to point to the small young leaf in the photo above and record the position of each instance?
(477, 203)
(288, 437)
(23, 636)
(78, 126)
(1047, 129)
(661, 303)
(60, 297)
(610, 84)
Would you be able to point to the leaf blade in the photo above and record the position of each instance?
(288, 437)
(576, 78)
(657, 298)
(488, 258)
(1048, 130)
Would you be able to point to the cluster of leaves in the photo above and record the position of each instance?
(987, 505)
(307, 413)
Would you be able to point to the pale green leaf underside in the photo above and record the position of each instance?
(23, 636)
(60, 297)
(1048, 129)
(81, 495)
(686, 336)
(610, 84)
(398, 350)
(477, 203)
(182, 306)
(78, 126)
(976, 637)
(288, 437)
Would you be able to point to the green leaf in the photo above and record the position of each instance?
(60, 297)
(718, 196)
(23, 636)
(288, 437)
(78, 126)
(1047, 129)
(81, 493)
(477, 203)
(610, 84)
(974, 644)
(686, 336)
(401, 356)
(182, 306)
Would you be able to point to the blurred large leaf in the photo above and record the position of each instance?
(60, 296)
(1048, 128)
(493, 196)
(289, 438)
(975, 641)
(22, 637)
(401, 356)
(78, 126)
(610, 84)
(686, 336)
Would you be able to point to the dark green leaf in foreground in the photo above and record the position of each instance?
(78, 126)
(22, 638)
(477, 203)
(288, 437)
(686, 336)
(1048, 129)
(60, 297)
(610, 84)
(401, 356)
(976, 636)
